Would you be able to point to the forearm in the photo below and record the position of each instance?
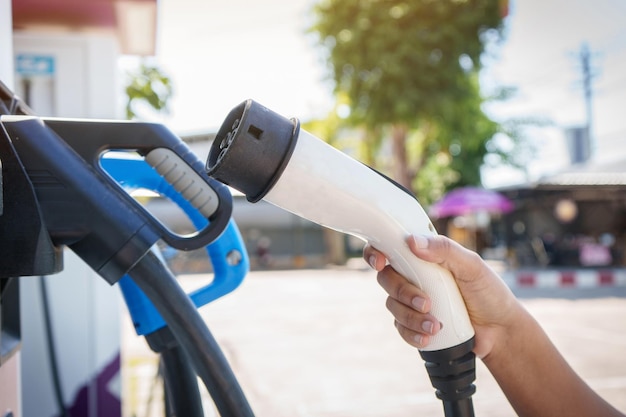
(535, 377)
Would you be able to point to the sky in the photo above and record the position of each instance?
(220, 53)
(541, 56)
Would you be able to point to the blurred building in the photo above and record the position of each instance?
(65, 52)
(575, 218)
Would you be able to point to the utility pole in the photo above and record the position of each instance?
(585, 61)
(580, 139)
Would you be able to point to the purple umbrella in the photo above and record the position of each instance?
(468, 200)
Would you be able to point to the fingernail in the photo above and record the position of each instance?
(428, 326)
(419, 339)
(421, 242)
(419, 303)
(372, 261)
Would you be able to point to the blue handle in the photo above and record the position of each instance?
(227, 253)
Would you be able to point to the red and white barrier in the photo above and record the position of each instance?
(576, 278)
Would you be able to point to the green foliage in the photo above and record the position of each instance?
(429, 188)
(148, 86)
(408, 66)
(397, 59)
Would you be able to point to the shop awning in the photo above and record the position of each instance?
(133, 21)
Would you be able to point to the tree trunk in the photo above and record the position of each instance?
(400, 168)
(335, 247)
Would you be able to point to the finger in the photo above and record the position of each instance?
(411, 319)
(415, 339)
(464, 264)
(374, 258)
(403, 291)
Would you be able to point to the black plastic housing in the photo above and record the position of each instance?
(80, 209)
(90, 138)
(25, 248)
(262, 138)
(83, 207)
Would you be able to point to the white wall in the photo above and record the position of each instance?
(84, 81)
(6, 44)
(85, 320)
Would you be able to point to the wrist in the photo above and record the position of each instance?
(511, 335)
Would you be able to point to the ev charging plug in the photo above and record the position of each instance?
(267, 156)
(84, 208)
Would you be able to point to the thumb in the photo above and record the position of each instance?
(464, 264)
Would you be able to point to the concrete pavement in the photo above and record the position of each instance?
(320, 343)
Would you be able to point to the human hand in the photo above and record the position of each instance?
(491, 305)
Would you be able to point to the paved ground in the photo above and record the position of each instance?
(320, 343)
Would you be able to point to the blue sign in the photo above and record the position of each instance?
(34, 65)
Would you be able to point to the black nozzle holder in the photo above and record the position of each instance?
(252, 148)
(452, 372)
(80, 209)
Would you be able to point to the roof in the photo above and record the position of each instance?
(612, 174)
(134, 21)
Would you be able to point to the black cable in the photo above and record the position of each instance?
(52, 356)
(180, 383)
(458, 408)
(179, 312)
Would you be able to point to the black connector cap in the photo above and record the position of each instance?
(251, 149)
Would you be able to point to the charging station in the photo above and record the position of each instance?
(70, 320)
(67, 349)
(10, 338)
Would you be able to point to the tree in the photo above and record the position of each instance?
(410, 70)
(150, 86)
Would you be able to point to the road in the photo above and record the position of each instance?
(320, 343)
